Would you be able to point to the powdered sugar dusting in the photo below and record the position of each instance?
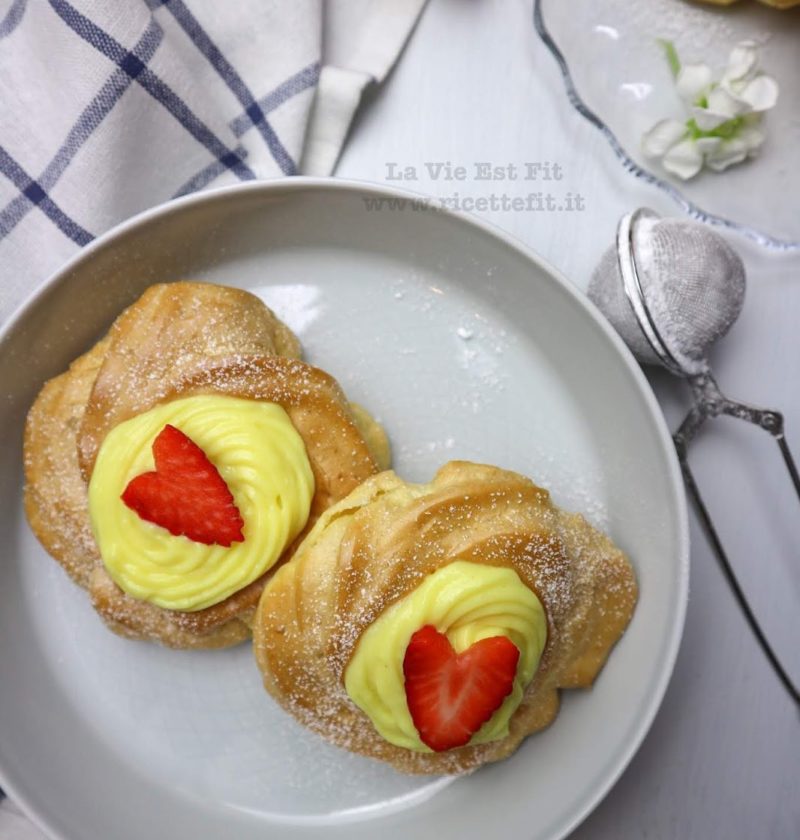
(382, 542)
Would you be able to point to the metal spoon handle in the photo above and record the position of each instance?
(709, 403)
(788, 459)
(772, 422)
(733, 582)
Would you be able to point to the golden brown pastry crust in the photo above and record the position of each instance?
(178, 340)
(379, 543)
(169, 333)
(55, 492)
(776, 4)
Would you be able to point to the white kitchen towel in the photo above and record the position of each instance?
(107, 108)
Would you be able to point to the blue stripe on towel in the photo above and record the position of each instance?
(13, 16)
(91, 117)
(156, 87)
(302, 80)
(37, 196)
(206, 175)
(305, 78)
(227, 72)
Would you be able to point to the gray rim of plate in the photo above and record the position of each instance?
(301, 183)
(630, 165)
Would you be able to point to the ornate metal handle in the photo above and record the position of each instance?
(710, 403)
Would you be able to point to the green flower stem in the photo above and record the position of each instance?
(725, 130)
(671, 55)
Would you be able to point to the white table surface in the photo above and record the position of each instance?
(723, 757)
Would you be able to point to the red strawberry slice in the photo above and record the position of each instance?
(450, 696)
(185, 494)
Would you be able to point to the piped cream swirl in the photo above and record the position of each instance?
(467, 602)
(263, 460)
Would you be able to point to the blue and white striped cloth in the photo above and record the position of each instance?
(108, 107)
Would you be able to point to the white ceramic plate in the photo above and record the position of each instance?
(466, 346)
(616, 75)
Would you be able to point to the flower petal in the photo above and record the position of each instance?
(729, 152)
(708, 120)
(693, 81)
(742, 62)
(760, 93)
(752, 138)
(707, 145)
(722, 101)
(661, 137)
(683, 160)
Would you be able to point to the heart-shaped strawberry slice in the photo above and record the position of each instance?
(449, 695)
(185, 493)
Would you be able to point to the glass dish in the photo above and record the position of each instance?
(616, 75)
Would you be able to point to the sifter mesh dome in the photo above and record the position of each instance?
(693, 283)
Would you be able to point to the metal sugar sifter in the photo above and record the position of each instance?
(671, 288)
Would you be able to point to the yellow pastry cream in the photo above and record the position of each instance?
(467, 602)
(263, 460)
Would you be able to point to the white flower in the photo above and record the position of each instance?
(723, 127)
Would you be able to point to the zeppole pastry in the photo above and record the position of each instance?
(776, 4)
(432, 626)
(181, 459)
